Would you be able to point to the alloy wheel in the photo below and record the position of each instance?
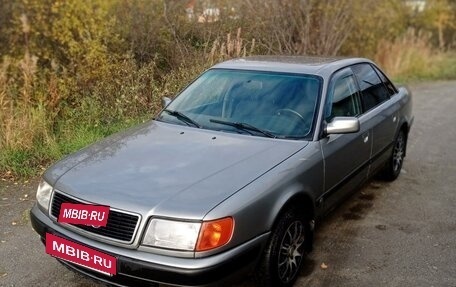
(291, 251)
(398, 153)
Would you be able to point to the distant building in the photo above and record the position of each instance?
(209, 15)
(209, 12)
(416, 5)
(190, 9)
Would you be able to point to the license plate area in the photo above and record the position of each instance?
(87, 214)
(81, 255)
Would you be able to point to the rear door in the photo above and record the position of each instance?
(379, 112)
(346, 156)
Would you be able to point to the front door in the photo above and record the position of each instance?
(346, 156)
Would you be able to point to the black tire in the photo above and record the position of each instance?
(286, 250)
(394, 165)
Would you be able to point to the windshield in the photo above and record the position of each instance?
(252, 102)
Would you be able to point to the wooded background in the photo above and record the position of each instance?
(72, 72)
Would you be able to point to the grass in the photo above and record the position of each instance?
(412, 58)
(25, 163)
(442, 68)
(446, 67)
(39, 124)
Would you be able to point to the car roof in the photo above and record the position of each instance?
(322, 66)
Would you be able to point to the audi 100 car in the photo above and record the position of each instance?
(230, 177)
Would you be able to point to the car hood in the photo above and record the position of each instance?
(168, 170)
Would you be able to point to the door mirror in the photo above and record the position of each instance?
(165, 102)
(342, 125)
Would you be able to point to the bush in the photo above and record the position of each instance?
(411, 57)
(72, 72)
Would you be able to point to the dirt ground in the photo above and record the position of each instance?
(387, 234)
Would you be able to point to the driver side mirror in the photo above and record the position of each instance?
(165, 102)
(342, 125)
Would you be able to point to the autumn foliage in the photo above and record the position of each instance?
(74, 71)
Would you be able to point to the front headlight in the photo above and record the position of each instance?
(43, 195)
(189, 236)
(172, 234)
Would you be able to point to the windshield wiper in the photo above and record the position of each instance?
(182, 117)
(243, 126)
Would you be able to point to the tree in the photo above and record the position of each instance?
(439, 17)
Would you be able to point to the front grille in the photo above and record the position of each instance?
(120, 226)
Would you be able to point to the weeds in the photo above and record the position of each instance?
(412, 57)
(73, 72)
(230, 48)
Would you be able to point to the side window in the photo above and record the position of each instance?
(372, 89)
(389, 86)
(343, 97)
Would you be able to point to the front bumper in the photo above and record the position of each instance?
(138, 268)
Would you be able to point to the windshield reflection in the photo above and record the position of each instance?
(274, 103)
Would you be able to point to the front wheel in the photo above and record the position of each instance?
(394, 165)
(285, 252)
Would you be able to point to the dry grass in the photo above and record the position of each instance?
(95, 77)
(411, 54)
(22, 122)
(231, 47)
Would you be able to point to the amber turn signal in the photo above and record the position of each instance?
(215, 233)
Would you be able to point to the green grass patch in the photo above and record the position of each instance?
(439, 67)
(18, 162)
(446, 67)
(26, 163)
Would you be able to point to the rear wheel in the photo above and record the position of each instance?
(285, 252)
(394, 165)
